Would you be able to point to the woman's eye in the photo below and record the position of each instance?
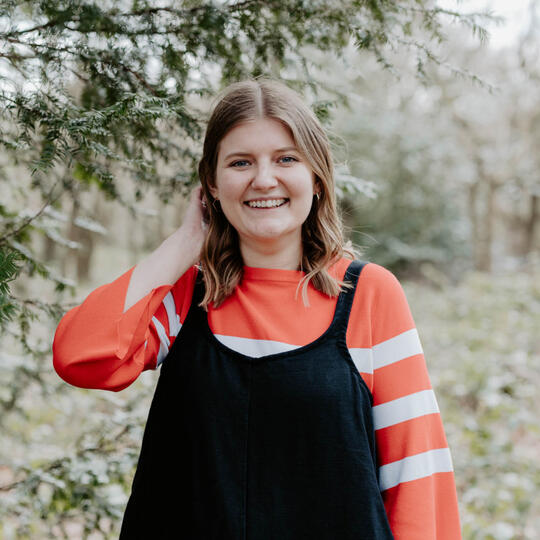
(244, 163)
(241, 163)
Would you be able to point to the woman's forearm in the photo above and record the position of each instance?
(172, 258)
(162, 267)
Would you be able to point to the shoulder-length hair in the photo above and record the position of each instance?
(322, 234)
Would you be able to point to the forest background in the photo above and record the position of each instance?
(436, 135)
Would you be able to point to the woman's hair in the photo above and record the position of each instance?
(322, 235)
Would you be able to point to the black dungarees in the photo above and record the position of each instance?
(280, 447)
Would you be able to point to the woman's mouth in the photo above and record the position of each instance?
(266, 203)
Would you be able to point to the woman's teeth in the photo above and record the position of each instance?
(272, 203)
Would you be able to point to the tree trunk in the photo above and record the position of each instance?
(473, 219)
(83, 255)
(486, 236)
(530, 224)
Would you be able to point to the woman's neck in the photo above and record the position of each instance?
(270, 255)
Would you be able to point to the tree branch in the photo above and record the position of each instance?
(139, 77)
(37, 28)
(28, 220)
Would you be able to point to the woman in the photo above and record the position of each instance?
(277, 415)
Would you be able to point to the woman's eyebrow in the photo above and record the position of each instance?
(284, 149)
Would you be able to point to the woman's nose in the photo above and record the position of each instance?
(264, 178)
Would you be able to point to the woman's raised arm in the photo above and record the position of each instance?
(173, 257)
(127, 326)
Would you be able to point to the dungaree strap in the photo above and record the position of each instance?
(198, 291)
(196, 314)
(346, 297)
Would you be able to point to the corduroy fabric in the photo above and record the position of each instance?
(276, 447)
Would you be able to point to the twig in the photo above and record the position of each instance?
(32, 29)
(28, 220)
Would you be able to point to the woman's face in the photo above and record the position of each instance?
(265, 186)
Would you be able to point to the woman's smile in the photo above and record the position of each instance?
(266, 204)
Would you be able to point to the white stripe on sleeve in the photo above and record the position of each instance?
(363, 359)
(415, 467)
(174, 318)
(397, 348)
(164, 341)
(404, 408)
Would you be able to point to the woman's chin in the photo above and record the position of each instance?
(268, 234)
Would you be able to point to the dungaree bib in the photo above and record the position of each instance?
(279, 447)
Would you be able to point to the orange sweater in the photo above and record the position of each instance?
(98, 346)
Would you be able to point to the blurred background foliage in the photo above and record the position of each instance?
(436, 139)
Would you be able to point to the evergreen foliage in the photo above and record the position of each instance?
(95, 92)
(91, 91)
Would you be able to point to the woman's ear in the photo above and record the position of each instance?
(317, 188)
(213, 191)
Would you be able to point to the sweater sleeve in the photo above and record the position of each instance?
(97, 345)
(416, 475)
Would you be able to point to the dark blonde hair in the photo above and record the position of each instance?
(322, 235)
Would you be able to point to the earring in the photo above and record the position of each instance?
(318, 195)
(214, 205)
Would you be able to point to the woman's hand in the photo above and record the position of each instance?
(174, 256)
(195, 224)
(195, 218)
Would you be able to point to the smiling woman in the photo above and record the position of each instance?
(267, 196)
(274, 416)
(264, 143)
